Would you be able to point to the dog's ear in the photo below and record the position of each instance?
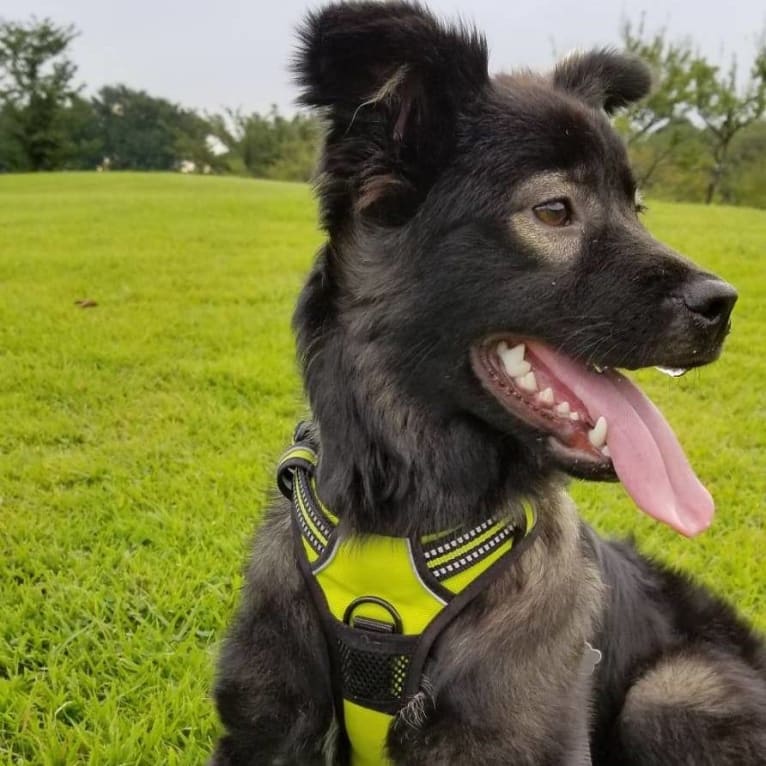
(604, 79)
(391, 80)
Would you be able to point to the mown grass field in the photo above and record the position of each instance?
(138, 439)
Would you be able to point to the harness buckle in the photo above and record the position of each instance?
(374, 626)
(369, 623)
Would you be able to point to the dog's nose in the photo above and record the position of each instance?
(710, 298)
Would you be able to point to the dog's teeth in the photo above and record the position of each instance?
(546, 396)
(513, 359)
(597, 434)
(528, 382)
(518, 370)
(562, 409)
(574, 415)
(512, 355)
(605, 451)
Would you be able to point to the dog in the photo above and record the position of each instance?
(485, 275)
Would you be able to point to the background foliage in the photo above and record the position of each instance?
(700, 136)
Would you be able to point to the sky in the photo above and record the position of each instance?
(231, 53)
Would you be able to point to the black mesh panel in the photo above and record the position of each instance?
(373, 668)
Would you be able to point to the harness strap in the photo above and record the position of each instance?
(374, 664)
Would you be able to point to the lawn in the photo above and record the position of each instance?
(139, 437)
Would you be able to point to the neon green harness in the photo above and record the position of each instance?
(384, 600)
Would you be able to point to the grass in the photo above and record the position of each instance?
(139, 436)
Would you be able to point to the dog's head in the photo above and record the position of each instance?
(487, 261)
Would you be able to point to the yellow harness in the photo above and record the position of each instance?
(384, 600)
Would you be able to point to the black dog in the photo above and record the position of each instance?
(484, 275)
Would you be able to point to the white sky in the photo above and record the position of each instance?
(211, 55)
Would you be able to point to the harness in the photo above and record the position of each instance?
(383, 601)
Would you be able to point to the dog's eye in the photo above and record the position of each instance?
(556, 212)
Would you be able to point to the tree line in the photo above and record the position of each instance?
(700, 136)
(46, 123)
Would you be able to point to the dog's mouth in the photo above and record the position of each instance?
(599, 425)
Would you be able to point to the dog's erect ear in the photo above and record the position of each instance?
(391, 80)
(604, 78)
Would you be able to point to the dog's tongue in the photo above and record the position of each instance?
(645, 452)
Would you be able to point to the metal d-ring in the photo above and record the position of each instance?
(368, 623)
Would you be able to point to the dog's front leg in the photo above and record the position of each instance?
(273, 690)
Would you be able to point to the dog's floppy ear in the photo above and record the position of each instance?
(604, 79)
(391, 80)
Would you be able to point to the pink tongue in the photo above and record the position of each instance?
(645, 452)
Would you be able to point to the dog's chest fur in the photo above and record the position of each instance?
(520, 654)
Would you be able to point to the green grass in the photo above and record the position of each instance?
(138, 439)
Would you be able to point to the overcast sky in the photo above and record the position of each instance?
(211, 55)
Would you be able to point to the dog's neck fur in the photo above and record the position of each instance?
(391, 466)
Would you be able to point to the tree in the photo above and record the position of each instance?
(678, 160)
(142, 132)
(82, 148)
(666, 108)
(745, 184)
(725, 110)
(36, 87)
(193, 143)
(680, 137)
(270, 146)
